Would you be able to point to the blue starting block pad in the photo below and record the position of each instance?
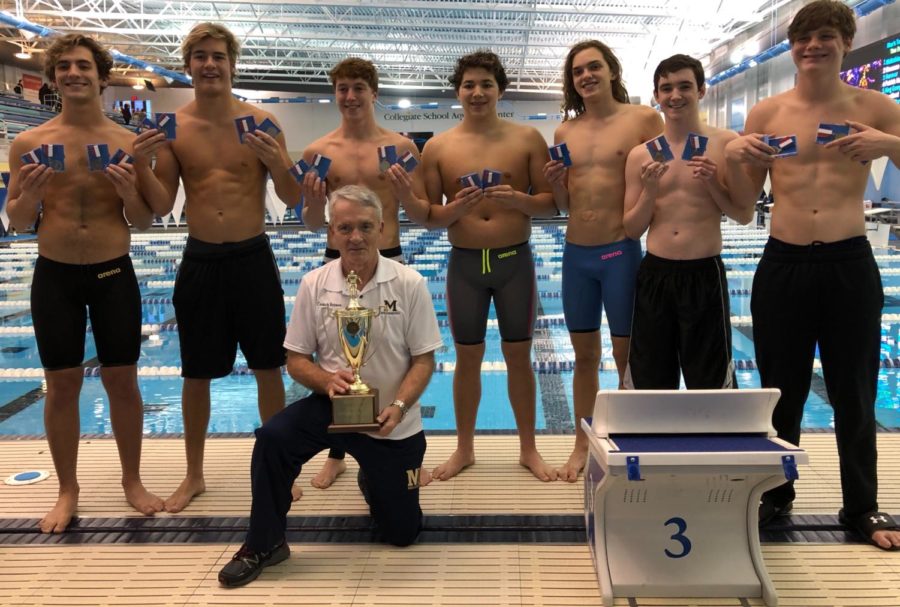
(672, 488)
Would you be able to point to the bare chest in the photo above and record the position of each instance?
(203, 148)
(679, 180)
(355, 165)
(470, 155)
(77, 182)
(601, 147)
(804, 123)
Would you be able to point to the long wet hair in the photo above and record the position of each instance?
(573, 104)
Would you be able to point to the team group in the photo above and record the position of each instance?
(616, 177)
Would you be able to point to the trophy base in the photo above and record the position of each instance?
(355, 412)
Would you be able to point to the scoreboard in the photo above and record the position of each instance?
(875, 66)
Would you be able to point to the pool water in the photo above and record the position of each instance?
(234, 397)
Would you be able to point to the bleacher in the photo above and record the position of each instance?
(20, 114)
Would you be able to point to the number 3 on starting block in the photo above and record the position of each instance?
(672, 484)
(679, 537)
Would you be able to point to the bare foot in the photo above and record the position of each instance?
(62, 513)
(570, 470)
(457, 463)
(187, 490)
(424, 476)
(539, 468)
(886, 539)
(142, 500)
(332, 469)
(296, 492)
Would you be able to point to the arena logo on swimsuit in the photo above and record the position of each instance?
(109, 273)
(606, 256)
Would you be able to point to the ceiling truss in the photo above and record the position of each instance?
(414, 44)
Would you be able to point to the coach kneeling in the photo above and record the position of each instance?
(401, 364)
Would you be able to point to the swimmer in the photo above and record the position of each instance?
(600, 262)
(491, 257)
(353, 150)
(83, 263)
(228, 290)
(682, 321)
(817, 282)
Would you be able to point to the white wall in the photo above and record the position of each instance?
(778, 75)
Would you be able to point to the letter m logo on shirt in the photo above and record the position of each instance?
(390, 305)
(412, 479)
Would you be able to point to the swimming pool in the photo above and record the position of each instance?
(156, 256)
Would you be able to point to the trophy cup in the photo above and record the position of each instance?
(355, 411)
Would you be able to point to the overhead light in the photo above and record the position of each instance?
(138, 86)
(404, 104)
(736, 55)
(456, 106)
(22, 55)
(150, 68)
(324, 100)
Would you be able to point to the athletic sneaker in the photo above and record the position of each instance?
(246, 565)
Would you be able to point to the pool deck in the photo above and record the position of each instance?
(494, 536)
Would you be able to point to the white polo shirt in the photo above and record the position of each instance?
(406, 327)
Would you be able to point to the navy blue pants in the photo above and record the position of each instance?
(828, 295)
(295, 435)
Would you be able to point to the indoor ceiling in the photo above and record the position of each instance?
(292, 45)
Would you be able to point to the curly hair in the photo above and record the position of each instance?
(572, 101)
(484, 59)
(62, 44)
(354, 67)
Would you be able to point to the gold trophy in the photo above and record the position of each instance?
(355, 411)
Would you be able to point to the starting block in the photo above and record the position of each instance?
(672, 488)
